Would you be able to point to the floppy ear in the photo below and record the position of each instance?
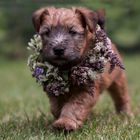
(101, 17)
(37, 17)
(88, 18)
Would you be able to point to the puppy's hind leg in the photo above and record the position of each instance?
(119, 93)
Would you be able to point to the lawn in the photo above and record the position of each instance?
(24, 108)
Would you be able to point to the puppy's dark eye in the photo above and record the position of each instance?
(47, 32)
(72, 32)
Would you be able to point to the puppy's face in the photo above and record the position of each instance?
(65, 33)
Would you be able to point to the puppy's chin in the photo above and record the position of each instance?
(63, 63)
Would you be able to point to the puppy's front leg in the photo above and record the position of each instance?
(56, 104)
(76, 110)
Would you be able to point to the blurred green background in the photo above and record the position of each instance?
(122, 16)
(24, 108)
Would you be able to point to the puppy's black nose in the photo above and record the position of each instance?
(58, 51)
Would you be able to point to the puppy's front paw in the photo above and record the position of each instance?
(66, 124)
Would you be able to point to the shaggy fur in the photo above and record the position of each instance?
(66, 35)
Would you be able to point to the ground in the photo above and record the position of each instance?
(24, 108)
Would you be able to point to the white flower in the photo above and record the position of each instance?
(92, 59)
(92, 74)
(98, 46)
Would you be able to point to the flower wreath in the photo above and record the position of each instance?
(58, 82)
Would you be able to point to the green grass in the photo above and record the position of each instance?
(24, 108)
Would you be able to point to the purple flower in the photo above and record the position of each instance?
(38, 71)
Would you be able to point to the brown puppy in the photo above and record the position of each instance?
(66, 35)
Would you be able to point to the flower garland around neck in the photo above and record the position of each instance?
(83, 75)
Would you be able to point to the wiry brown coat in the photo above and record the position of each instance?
(70, 110)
